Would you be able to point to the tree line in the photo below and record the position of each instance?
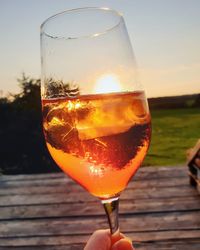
(22, 147)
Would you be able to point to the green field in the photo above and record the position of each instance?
(173, 132)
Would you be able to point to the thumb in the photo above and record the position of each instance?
(100, 240)
(123, 244)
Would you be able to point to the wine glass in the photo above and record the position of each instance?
(96, 119)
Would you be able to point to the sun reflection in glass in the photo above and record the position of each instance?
(107, 84)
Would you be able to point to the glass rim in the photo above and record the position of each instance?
(117, 13)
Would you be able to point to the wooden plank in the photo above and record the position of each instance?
(22, 177)
(171, 245)
(61, 187)
(37, 181)
(143, 173)
(138, 238)
(188, 245)
(82, 225)
(71, 197)
(157, 192)
(185, 245)
(95, 208)
(39, 247)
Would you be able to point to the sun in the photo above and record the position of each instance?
(107, 84)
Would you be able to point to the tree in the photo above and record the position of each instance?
(22, 148)
(29, 97)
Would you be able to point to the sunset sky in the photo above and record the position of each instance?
(165, 35)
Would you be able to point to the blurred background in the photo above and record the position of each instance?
(166, 40)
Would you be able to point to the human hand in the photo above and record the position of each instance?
(101, 240)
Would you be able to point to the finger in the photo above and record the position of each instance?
(100, 240)
(116, 237)
(123, 244)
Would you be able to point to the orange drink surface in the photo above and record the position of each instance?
(98, 140)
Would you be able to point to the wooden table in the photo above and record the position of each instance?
(158, 210)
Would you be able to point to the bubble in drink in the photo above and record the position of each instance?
(99, 140)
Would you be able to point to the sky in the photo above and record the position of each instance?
(165, 35)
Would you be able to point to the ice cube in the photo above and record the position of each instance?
(102, 118)
(59, 128)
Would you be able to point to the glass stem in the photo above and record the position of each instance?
(111, 207)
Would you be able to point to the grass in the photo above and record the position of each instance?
(173, 132)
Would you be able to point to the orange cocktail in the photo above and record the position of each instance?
(98, 140)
